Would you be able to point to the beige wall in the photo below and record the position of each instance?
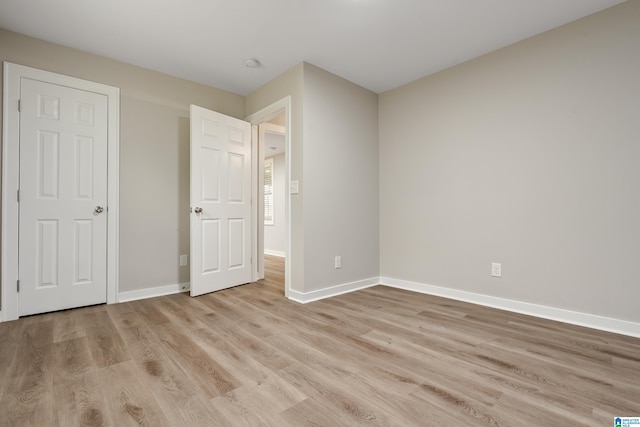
(528, 156)
(334, 157)
(154, 163)
(340, 180)
(154, 153)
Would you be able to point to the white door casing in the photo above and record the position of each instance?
(75, 169)
(63, 196)
(221, 217)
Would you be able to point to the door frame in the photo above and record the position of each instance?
(13, 73)
(283, 106)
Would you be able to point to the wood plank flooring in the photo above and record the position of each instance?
(248, 357)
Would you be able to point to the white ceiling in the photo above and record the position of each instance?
(273, 144)
(378, 44)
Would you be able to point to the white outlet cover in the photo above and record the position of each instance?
(496, 269)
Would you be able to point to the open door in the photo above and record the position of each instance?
(220, 201)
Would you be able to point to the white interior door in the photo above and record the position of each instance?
(220, 201)
(63, 195)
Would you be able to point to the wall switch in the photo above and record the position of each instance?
(293, 187)
(338, 262)
(496, 269)
(183, 260)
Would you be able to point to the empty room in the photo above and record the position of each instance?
(323, 213)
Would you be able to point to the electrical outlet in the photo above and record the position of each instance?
(496, 269)
(183, 260)
(338, 262)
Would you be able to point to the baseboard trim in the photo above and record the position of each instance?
(152, 292)
(307, 297)
(567, 316)
(274, 253)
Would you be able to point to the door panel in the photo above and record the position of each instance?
(84, 168)
(83, 265)
(236, 243)
(210, 182)
(48, 157)
(210, 245)
(236, 163)
(220, 201)
(63, 177)
(47, 254)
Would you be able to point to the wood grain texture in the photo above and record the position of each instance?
(247, 356)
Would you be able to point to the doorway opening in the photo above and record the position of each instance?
(272, 138)
(271, 130)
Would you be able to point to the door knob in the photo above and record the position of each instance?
(198, 210)
(99, 209)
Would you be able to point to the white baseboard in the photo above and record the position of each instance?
(573, 317)
(567, 316)
(152, 292)
(274, 253)
(306, 297)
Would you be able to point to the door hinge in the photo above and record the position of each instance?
(19, 105)
(18, 195)
(18, 285)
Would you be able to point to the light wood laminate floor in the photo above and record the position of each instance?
(247, 356)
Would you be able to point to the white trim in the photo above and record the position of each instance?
(278, 107)
(11, 177)
(306, 297)
(160, 291)
(573, 317)
(275, 253)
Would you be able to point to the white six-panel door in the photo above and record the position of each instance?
(63, 196)
(220, 201)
